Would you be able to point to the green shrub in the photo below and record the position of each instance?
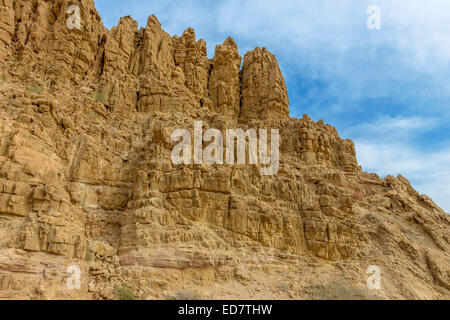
(337, 290)
(283, 286)
(89, 255)
(187, 294)
(125, 292)
(101, 97)
(35, 89)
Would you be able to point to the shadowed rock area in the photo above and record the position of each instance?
(86, 176)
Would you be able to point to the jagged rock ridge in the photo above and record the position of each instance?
(86, 176)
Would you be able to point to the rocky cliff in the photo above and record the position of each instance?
(86, 177)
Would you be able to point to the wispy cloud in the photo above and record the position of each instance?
(428, 172)
(393, 129)
(390, 145)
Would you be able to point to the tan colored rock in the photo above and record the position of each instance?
(87, 180)
(190, 55)
(264, 94)
(224, 81)
(7, 28)
(440, 268)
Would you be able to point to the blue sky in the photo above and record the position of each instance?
(388, 89)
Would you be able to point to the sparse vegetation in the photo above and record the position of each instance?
(93, 114)
(283, 286)
(35, 89)
(187, 294)
(337, 290)
(125, 292)
(101, 97)
(89, 255)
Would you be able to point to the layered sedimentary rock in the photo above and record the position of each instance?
(224, 81)
(264, 94)
(87, 180)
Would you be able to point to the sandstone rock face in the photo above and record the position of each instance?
(264, 93)
(224, 82)
(87, 180)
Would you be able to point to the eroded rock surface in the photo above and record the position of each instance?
(86, 176)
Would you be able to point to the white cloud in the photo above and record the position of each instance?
(386, 146)
(390, 129)
(421, 28)
(429, 172)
